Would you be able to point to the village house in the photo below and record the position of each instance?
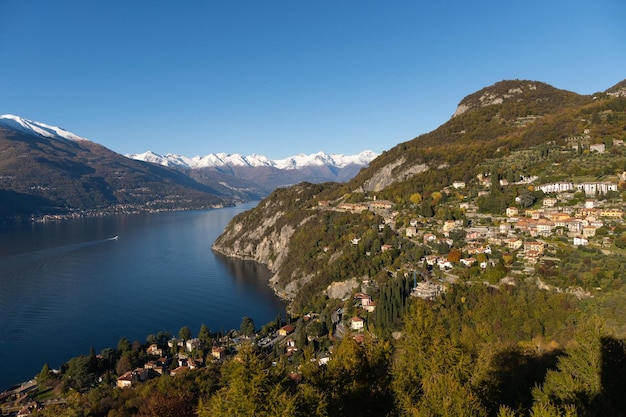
(549, 202)
(448, 225)
(291, 347)
(195, 363)
(432, 259)
(561, 220)
(218, 352)
(429, 237)
(593, 188)
(426, 290)
(286, 330)
(589, 231)
(574, 225)
(458, 184)
(381, 204)
(443, 263)
(580, 241)
(370, 307)
(479, 249)
(411, 231)
(365, 301)
(597, 147)
(473, 235)
(514, 244)
(557, 187)
(595, 222)
(356, 323)
(192, 344)
(175, 342)
(154, 350)
(544, 227)
(512, 211)
(532, 256)
(179, 370)
(612, 213)
(129, 378)
(533, 246)
(159, 365)
(468, 261)
(353, 207)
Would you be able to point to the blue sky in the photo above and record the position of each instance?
(284, 77)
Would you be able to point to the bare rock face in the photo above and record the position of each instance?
(392, 173)
(342, 289)
(496, 94)
(263, 235)
(262, 243)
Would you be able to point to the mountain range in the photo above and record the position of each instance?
(260, 175)
(48, 170)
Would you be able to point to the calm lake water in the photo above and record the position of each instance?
(66, 286)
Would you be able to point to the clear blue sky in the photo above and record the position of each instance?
(285, 77)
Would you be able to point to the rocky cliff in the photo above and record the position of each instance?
(263, 234)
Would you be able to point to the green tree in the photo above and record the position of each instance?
(362, 372)
(251, 388)
(247, 326)
(44, 375)
(123, 345)
(184, 333)
(123, 365)
(205, 335)
(577, 381)
(431, 372)
(78, 374)
(415, 198)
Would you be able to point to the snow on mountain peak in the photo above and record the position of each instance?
(41, 129)
(254, 160)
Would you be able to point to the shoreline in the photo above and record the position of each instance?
(280, 292)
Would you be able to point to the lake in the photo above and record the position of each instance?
(68, 286)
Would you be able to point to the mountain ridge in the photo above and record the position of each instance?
(47, 170)
(298, 161)
(259, 175)
(27, 126)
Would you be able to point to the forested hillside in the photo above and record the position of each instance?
(43, 176)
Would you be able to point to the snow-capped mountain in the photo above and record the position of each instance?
(20, 124)
(235, 160)
(264, 173)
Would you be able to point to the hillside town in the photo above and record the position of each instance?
(522, 239)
